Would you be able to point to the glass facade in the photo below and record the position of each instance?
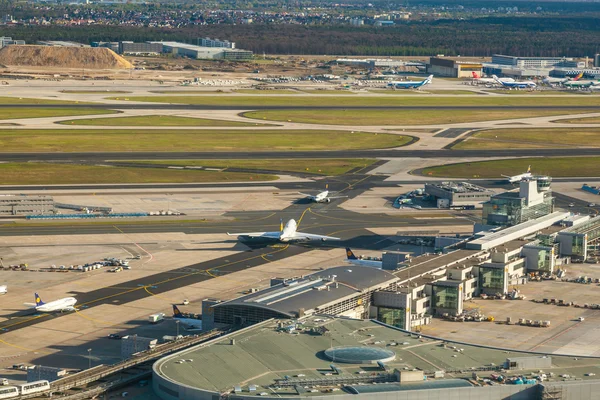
(392, 316)
(506, 211)
(240, 316)
(446, 297)
(491, 278)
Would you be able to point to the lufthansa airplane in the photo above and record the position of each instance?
(64, 304)
(191, 324)
(287, 233)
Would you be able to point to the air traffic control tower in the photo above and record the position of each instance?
(532, 200)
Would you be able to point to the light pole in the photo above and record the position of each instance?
(177, 324)
(89, 358)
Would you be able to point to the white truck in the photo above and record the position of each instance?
(155, 318)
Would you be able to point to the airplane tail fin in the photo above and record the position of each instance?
(176, 312)
(529, 168)
(578, 77)
(475, 75)
(350, 254)
(280, 224)
(38, 300)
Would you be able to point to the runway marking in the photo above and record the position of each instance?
(93, 319)
(22, 348)
(158, 295)
(302, 216)
(137, 245)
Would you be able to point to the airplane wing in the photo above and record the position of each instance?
(306, 194)
(274, 235)
(311, 236)
(336, 197)
(32, 305)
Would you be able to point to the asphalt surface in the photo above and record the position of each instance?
(163, 106)
(245, 155)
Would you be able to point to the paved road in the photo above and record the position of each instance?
(392, 153)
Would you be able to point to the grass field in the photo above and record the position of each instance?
(48, 174)
(95, 91)
(328, 92)
(549, 93)
(190, 91)
(18, 112)
(154, 120)
(258, 91)
(396, 117)
(532, 138)
(588, 120)
(373, 101)
(553, 166)
(327, 167)
(21, 100)
(93, 140)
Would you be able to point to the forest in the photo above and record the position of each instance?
(520, 36)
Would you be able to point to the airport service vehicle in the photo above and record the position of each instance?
(411, 85)
(515, 85)
(185, 302)
(479, 79)
(520, 177)
(191, 324)
(64, 304)
(322, 197)
(363, 262)
(287, 233)
(156, 318)
(3, 289)
(4, 382)
(592, 205)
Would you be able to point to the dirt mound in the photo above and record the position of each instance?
(65, 57)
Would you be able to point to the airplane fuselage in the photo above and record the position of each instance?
(66, 304)
(3, 289)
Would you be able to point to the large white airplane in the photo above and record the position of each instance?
(3, 289)
(520, 177)
(581, 84)
(287, 233)
(555, 81)
(352, 259)
(479, 79)
(515, 85)
(64, 304)
(191, 324)
(322, 197)
(409, 84)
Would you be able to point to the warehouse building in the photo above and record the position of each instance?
(40, 372)
(452, 68)
(131, 48)
(205, 53)
(458, 194)
(534, 62)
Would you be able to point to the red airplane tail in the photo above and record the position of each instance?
(475, 75)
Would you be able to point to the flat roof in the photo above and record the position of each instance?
(315, 290)
(423, 265)
(263, 354)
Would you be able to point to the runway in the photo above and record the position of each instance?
(164, 106)
(247, 155)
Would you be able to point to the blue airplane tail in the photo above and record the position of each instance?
(176, 312)
(350, 254)
(38, 300)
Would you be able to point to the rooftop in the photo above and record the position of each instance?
(315, 290)
(264, 353)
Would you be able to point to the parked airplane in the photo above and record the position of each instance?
(581, 84)
(555, 81)
(64, 304)
(191, 324)
(352, 259)
(520, 177)
(515, 85)
(409, 84)
(3, 289)
(479, 79)
(322, 197)
(287, 233)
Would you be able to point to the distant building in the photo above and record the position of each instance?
(61, 43)
(26, 205)
(114, 46)
(208, 42)
(41, 373)
(6, 41)
(384, 23)
(357, 22)
(458, 194)
(533, 62)
(205, 53)
(140, 48)
(451, 68)
(532, 200)
(597, 61)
